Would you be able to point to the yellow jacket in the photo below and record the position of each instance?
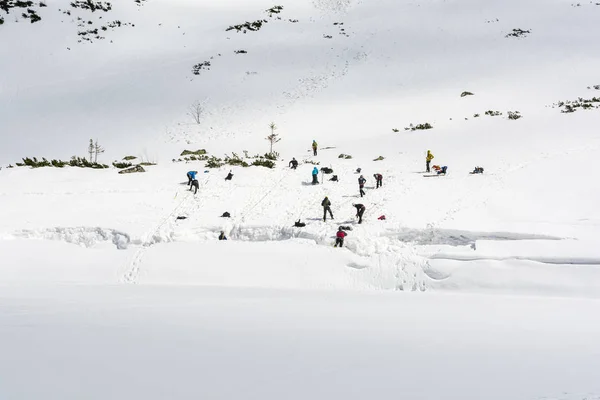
(314, 145)
(429, 156)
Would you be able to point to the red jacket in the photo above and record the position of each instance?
(341, 234)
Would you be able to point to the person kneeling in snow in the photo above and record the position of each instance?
(293, 164)
(442, 171)
(222, 236)
(339, 237)
(477, 170)
(229, 176)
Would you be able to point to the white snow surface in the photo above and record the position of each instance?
(474, 286)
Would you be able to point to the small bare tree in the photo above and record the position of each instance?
(91, 149)
(273, 137)
(195, 110)
(97, 150)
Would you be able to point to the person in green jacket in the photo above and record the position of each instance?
(314, 147)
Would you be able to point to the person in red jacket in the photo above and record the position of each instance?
(339, 237)
(378, 180)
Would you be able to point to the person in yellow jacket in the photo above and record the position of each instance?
(314, 147)
(428, 159)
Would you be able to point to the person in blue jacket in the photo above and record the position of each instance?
(191, 175)
(315, 175)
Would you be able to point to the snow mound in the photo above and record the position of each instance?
(82, 236)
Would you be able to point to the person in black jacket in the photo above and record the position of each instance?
(326, 204)
(222, 236)
(195, 185)
(293, 164)
(361, 185)
(360, 210)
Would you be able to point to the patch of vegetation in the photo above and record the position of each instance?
(345, 156)
(464, 94)
(419, 127)
(518, 33)
(492, 113)
(74, 162)
(235, 160)
(214, 162)
(311, 162)
(146, 163)
(380, 158)
(272, 156)
(240, 52)
(581, 103)
(262, 162)
(121, 165)
(395, 130)
(129, 158)
(199, 152)
(597, 87)
(475, 115)
(200, 66)
(514, 115)
(31, 11)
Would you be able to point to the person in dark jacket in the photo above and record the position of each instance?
(222, 236)
(360, 210)
(229, 176)
(361, 185)
(379, 180)
(326, 204)
(339, 237)
(191, 175)
(293, 164)
(195, 185)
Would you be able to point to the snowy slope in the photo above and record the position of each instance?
(98, 274)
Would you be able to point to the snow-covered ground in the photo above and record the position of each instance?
(474, 286)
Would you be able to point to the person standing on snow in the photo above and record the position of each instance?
(360, 210)
(315, 176)
(314, 147)
(326, 204)
(222, 236)
(191, 175)
(339, 237)
(293, 164)
(379, 180)
(361, 185)
(195, 185)
(229, 176)
(428, 160)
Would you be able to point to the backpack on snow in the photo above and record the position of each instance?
(326, 170)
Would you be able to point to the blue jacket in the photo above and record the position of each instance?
(315, 171)
(192, 174)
